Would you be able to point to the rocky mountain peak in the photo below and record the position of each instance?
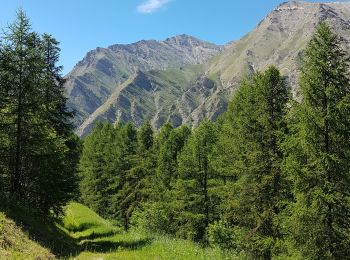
(187, 40)
(94, 78)
(151, 80)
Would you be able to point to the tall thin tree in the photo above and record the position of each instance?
(318, 155)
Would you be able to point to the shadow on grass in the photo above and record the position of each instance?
(45, 231)
(80, 228)
(108, 246)
(94, 235)
(40, 228)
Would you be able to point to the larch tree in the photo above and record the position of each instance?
(253, 129)
(35, 152)
(97, 169)
(196, 183)
(318, 154)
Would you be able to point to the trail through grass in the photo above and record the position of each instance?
(82, 234)
(99, 239)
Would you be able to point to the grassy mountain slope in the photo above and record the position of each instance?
(171, 95)
(26, 234)
(94, 78)
(99, 239)
(82, 234)
(16, 244)
(181, 96)
(280, 39)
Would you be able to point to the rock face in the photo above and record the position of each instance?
(94, 78)
(280, 39)
(191, 92)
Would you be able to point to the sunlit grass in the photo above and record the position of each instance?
(83, 223)
(136, 246)
(109, 242)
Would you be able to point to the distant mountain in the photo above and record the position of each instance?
(173, 95)
(280, 39)
(94, 78)
(190, 93)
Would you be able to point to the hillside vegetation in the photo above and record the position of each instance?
(268, 180)
(85, 235)
(99, 239)
(16, 244)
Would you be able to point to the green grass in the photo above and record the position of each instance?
(135, 246)
(44, 231)
(83, 223)
(82, 234)
(113, 243)
(16, 244)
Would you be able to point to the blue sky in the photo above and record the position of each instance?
(82, 25)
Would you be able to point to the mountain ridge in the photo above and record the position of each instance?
(95, 77)
(278, 39)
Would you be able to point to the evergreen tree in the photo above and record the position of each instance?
(197, 183)
(135, 189)
(127, 155)
(145, 137)
(318, 158)
(253, 130)
(17, 84)
(34, 151)
(172, 141)
(158, 213)
(98, 169)
(53, 95)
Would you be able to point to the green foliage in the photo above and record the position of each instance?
(38, 150)
(317, 151)
(253, 129)
(197, 184)
(145, 137)
(268, 180)
(97, 168)
(171, 143)
(222, 235)
(115, 166)
(157, 214)
(15, 244)
(137, 176)
(99, 239)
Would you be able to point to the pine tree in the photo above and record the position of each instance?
(252, 131)
(126, 149)
(53, 91)
(136, 184)
(157, 214)
(35, 165)
(17, 72)
(145, 137)
(98, 169)
(318, 158)
(171, 143)
(196, 184)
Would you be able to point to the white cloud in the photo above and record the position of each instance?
(150, 6)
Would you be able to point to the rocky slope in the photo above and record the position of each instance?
(280, 39)
(94, 78)
(174, 95)
(191, 93)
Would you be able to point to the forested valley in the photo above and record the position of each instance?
(269, 179)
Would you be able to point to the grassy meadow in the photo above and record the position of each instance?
(82, 234)
(99, 239)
